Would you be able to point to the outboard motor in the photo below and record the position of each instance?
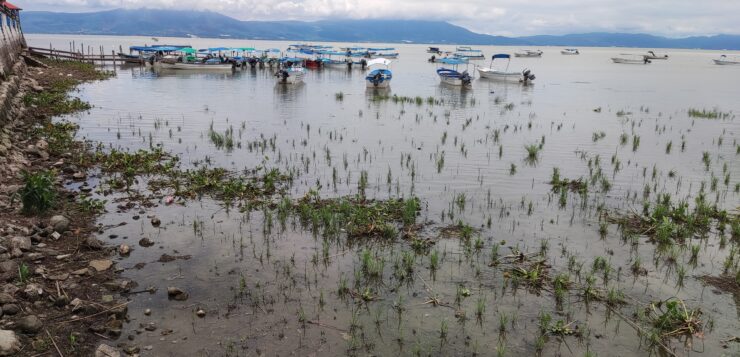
(647, 60)
(527, 76)
(465, 78)
(377, 79)
(282, 75)
(433, 59)
(363, 63)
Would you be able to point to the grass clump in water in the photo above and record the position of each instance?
(708, 114)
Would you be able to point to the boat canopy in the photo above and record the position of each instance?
(381, 49)
(501, 55)
(187, 50)
(292, 59)
(156, 48)
(453, 61)
(379, 62)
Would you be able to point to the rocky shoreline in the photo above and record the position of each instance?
(59, 287)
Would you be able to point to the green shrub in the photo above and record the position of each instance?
(38, 194)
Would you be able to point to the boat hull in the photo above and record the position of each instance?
(569, 53)
(726, 62)
(195, 67)
(293, 77)
(499, 75)
(629, 61)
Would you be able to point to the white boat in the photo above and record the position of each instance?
(528, 53)
(631, 59)
(378, 74)
(291, 75)
(524, 76)
(724, 60)
(205, 66)
(451, 75)
(651, 55)
(468, 53)
(570, 51)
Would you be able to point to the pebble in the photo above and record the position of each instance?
(124, 249)
(200, 313)
(30, 324)
(101, 264)
(177, 293)
(148, 312)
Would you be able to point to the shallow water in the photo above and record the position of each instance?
(255, 286)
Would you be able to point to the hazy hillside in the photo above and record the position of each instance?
(149, 22)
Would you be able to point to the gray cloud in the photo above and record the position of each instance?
(673, 18)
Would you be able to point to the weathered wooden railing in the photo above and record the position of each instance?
(82, 57)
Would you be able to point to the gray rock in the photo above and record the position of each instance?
(93, 243)
(30, 324)
(22, 243)
(11, 309)
(106, 351)
(178, 294)
(6, 299)
(9, 343)
(59, 223)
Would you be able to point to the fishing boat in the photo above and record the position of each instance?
(524, 76)
(451, 75)
(378, 74)
(330, 59)
(570, 51)
(631, 59)
(213, 64)
(651, 55)
(292, 71)
(528, 53)
(469, 53)
(434, 50)
(388, 53)
(724, 60)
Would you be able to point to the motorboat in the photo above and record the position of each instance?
(524, 76)
(378, 74)
(469, 53)
(434, 50)
(652, 56)
(528, 53)
(292, 71)
(631, 59)
(451, 75)
(570, 51)
(388, 53)
(208, 65)
(724, 60)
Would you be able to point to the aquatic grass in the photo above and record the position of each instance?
(708, 114)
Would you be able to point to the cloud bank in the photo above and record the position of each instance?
(673, 18)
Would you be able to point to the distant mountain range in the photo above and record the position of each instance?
(176, 23)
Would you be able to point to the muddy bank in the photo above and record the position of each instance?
(58, 284)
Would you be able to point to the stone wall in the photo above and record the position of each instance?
(11, 43)
(12, 70)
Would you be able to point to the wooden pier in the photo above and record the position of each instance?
(89, 57)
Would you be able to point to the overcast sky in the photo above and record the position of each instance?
(673, 18)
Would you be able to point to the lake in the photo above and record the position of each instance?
(502, 262)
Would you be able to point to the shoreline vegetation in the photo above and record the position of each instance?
(70, 298)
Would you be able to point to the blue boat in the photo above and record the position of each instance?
(451, 75)
(378, 74)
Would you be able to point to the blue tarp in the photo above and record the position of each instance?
(501, 55)
(453, 61)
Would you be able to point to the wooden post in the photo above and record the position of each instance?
(113, 53)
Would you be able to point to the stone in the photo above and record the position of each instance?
(200, 313)
(93, 243)
(22, 243)
(11, 309)
(9, 343)
(145, 242)
(59, 223)
(147, 312)
(178, 294)
(124, 250)
(30, 324)
(82, 271)
(156, 222)
(33, 292)
(101, 264)
(60, 276)
(6, 299)
(55, 235)
(106, 351)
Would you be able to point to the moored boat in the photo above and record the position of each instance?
(524, 76)
(451, 75)
(724, 60)
(209, 65)
(528, 53)
(434, 50)
(570, 51)
(631, 59)
(292, 71)
(468, 53)
(378, 74)
(651, 55)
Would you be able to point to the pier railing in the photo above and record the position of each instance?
(90, 57)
